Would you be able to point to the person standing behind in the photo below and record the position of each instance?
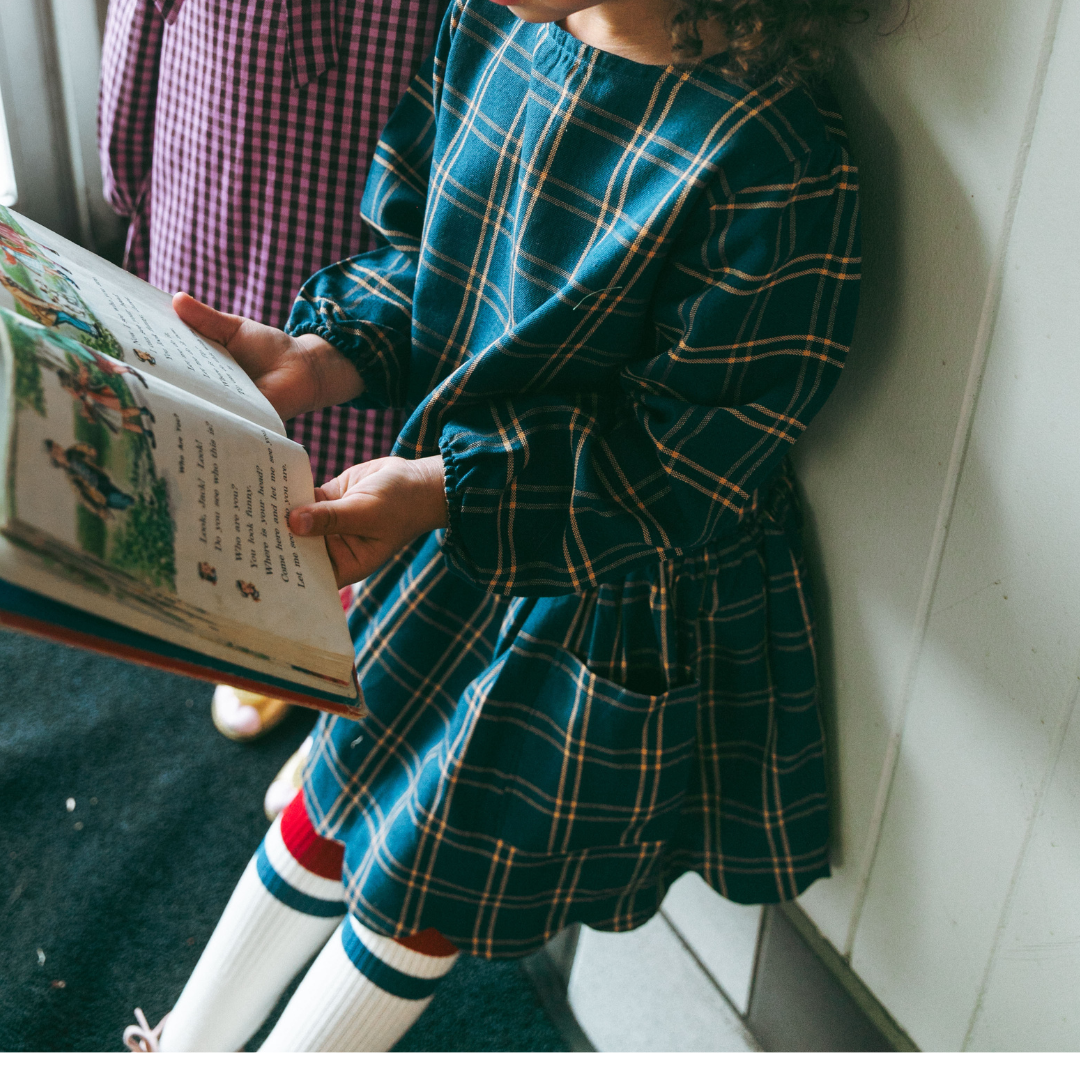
(236, 135)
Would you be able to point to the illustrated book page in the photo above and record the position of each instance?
(134, 501)
(70, 290)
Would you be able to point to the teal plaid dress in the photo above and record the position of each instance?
(612, 297)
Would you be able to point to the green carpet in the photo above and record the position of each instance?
(108, 906)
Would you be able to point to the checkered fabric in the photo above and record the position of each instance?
(613, 296)
(236, 135)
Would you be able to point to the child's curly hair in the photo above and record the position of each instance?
(763, 38)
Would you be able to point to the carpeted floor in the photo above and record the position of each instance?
(108, 906)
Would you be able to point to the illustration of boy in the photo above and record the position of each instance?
(95, 487)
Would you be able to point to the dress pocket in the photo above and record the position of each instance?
(570, 760)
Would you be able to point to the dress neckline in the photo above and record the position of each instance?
(553, 37)
(553, 40)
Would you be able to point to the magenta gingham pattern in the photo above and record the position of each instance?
(236, 136)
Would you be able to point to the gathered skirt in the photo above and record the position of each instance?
(528, 763)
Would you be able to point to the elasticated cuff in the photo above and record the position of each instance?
(453, 536)
(358, 352)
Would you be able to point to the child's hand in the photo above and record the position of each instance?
(295, 374)
(373, 510)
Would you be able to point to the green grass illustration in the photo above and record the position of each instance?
(91, 532)
(143, 545)
(29, 389)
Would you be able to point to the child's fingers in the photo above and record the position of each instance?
(332, 489)
(354, 516)
(340, 484)
(210, 322)
(353, 558)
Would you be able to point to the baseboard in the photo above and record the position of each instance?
(805, 997)
(548, 970)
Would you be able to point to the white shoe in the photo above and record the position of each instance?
(287, 783)
(242, 715)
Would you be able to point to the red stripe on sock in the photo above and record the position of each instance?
(324, 857)
(312, 851)
(428, 942)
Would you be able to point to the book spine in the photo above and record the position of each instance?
(68, 636)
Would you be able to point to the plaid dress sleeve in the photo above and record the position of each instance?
(554, 493)
(364, 305)
(129, 76)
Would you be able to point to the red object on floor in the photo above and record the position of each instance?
(312, 851)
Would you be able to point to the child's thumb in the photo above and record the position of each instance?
(216, 325)
(351, 517)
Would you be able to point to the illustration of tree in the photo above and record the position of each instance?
(29, 390)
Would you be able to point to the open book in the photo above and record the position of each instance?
(147, 484)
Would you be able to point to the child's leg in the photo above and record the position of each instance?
(287, 903)
(363, 992)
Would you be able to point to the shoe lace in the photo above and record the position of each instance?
(140, 1038)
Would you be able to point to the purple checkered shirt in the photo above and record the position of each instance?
(236, 136)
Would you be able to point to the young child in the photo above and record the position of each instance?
(619, 279)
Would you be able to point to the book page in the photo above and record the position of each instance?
(166, 504)
(61, 285)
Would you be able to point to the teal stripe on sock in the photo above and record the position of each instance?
(278, 887)
(382, 974)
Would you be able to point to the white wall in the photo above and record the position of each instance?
(50, 57)
(8, 189)
(943, 481)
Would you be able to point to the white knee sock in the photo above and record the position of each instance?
(278, 917)
(362, 993)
